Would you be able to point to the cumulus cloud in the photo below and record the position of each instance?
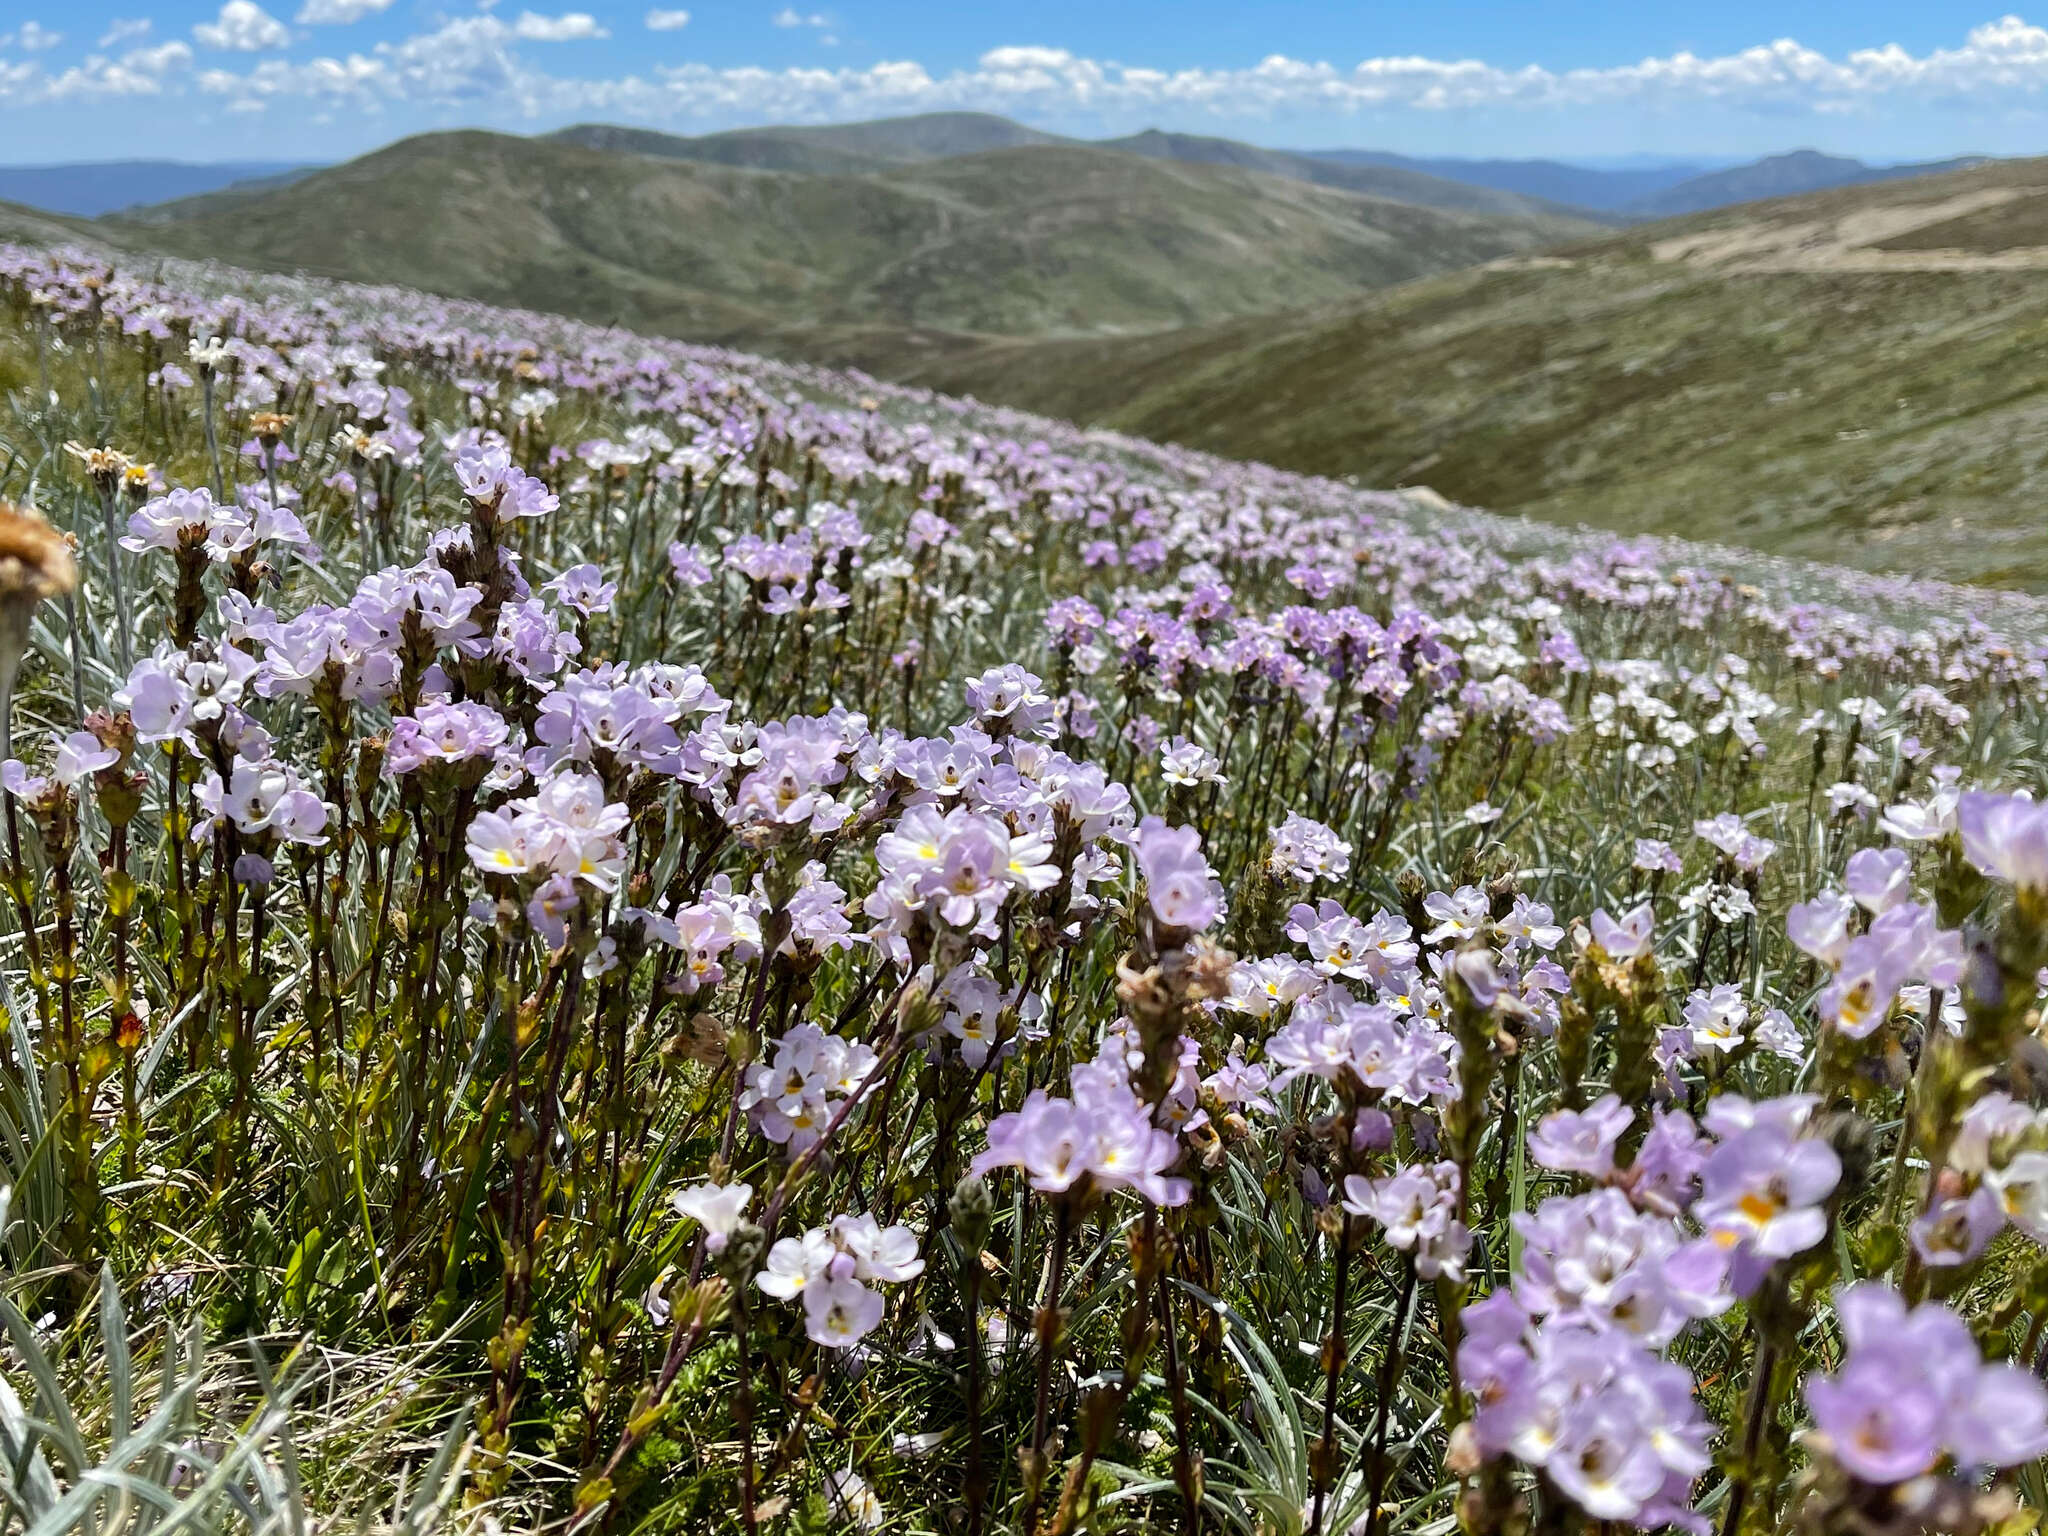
(667, 21)
(788, 17)
(243, 27)
(31, 37)
(125, 30)
(338, 13)
(139, 72)
(477, 62)
(569, 27)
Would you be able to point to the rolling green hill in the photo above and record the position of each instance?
(1858, 375)
(852, 149)
(1029, 240)
(32, 226)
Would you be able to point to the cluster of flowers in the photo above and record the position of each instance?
(1303, 646)
(1567, 1364)
(828, 1270)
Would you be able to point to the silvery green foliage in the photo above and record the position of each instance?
(169, 1469)
(1415, 1027)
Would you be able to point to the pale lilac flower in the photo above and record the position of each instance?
(1717, 1018)
(1821, 927)
(1581, 1141)
(1879, 878)
(1185, 763)
(794, 1262)
(1743, 848)
(1775, 1032)
(1009, 701)
(1307, 850)
(443, 733)
(1956, 1229)
(1416, 1208)
(1628, 938)
(1181, 889)
(881, 1255)
(2006, 837)
(1912, 1386)
(1528, 925)
(80, 755)
(1762, 1193)
(1867, 980)
(1654, 857)
(853, 1501)
(1103, 1134)
(1458, 916)
(839, 1313)
(717, 1208)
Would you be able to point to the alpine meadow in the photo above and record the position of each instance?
(605, 933)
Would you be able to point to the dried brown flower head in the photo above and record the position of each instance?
(104, 465)
(35, 563)
(35, 559)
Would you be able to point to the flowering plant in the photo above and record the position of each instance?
(770, 948)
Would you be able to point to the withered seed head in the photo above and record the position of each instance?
(35, 559)
(35, 563)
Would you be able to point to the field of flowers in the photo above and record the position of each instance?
(605, 936)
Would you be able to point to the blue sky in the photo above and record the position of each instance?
(326, 79)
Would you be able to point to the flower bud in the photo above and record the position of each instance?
(970, 1212)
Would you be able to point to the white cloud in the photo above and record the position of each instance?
(667, 21)
(127, 30)
(569, 27)
(788, 17)
(243, 27)
(31, 37)
(338, 13)
(476, 65)
(139, 72)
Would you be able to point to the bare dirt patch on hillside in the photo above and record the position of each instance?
(1988, 229)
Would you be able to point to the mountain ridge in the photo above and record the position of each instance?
(1605, 193)
(1788, 175)
(1023, 240)
(1851, 375)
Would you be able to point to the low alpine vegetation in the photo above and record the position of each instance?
(648, 940)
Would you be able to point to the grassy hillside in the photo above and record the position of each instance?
(1028, 240)
(32, 226)
(1856, 374)
(853, 149)
(1859, 375)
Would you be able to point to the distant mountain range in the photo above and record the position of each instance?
(89, 189)
(1033, 237)
(1653, 191)
(865, 148)
(1615, 189)
(1609, 190)
(1802, 171)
